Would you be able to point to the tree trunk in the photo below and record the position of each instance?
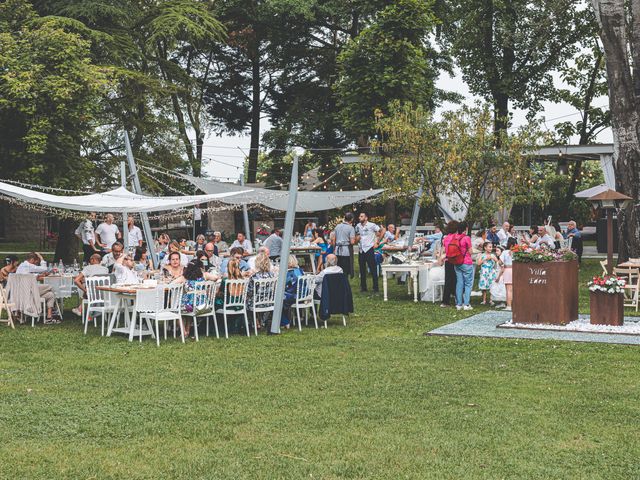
(624, 116)
(390, 210)
(255, 118)
(67, 246)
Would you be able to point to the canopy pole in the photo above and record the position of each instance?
(287, 234)
(245, 213)
(146, 227)
(125, 229)
(414, 217)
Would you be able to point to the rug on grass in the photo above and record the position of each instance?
(497, 324)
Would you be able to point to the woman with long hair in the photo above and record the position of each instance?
(320, 241)
(262, 270)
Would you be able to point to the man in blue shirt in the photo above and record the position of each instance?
(237, 253)
(492, 235)
(576, 235)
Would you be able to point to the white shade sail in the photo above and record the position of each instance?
(277, 199)
(119, 200)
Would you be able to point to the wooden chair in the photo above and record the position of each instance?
(304, 299)
(98, 302)
(234, 303)
(204, 295)
(161, 304)
(5, 305)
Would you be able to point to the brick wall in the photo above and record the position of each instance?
(21, 225)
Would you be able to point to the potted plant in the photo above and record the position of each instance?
(606, 300)
(545, 285)
(263, 232)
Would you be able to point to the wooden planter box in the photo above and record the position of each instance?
(545, 292)
(606, 308)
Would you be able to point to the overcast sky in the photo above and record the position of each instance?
(227, 157)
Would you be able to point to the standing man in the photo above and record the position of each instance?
(87, 236)
(274, 243)
(135, 234)
(197, 219)
(342, 238)
(108, 233)
(503, 234)
(242, 242)
(366, 236)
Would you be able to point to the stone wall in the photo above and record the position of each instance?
(21, 225)
(223, 221)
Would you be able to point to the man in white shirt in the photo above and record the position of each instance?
(367, 237)
(503, 234)
(135, 234)
(242, 242)
(544, 239)
(108, 233)
(87, 236)
(123, 270)
(35, 264)
(331, 267)
(109, 260)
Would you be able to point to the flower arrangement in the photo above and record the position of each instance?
(264, 229)
(607, 284)
(334, 222)
(527, 254)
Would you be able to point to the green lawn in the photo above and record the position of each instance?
(377, 399)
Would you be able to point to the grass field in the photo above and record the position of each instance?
(377, 399)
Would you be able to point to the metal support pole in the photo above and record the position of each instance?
(245, 214)
(414, 217)
(125, 229)
(610, 241)
(287, 234)
(146, 227)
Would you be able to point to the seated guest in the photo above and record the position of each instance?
(193, 273)
(124, 272)
(331, 267)
(294, 272)
(212, 259)
(242, 242)
(251, 261)
(173, 269)
(237, 253)
(576, 244)
(319, 241)
(274, 243)
(93, 269)
(174, 246)
(433, 239)
(205, 261)
(262, 269)
(492, 235)
(544, 239)
(35, 264)
(503, 233)
(220, 244)
(233, 273)
(162, 245)
(391, 234)
(109, 260)
(200, 243)
(531, 236)
(140, 257)
(10, 267)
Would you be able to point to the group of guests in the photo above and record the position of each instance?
(490, 253)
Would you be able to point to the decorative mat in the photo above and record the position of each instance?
(497, 324)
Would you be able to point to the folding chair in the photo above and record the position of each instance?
(204, 294)
(234, 303)
(304, 299)
(160, 304)
(5, 305)
(264, 298)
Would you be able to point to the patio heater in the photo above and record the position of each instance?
(610, 201)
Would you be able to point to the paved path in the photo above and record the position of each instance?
(485, 325)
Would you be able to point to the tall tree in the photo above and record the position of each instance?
(508, 49)
(620, 35)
